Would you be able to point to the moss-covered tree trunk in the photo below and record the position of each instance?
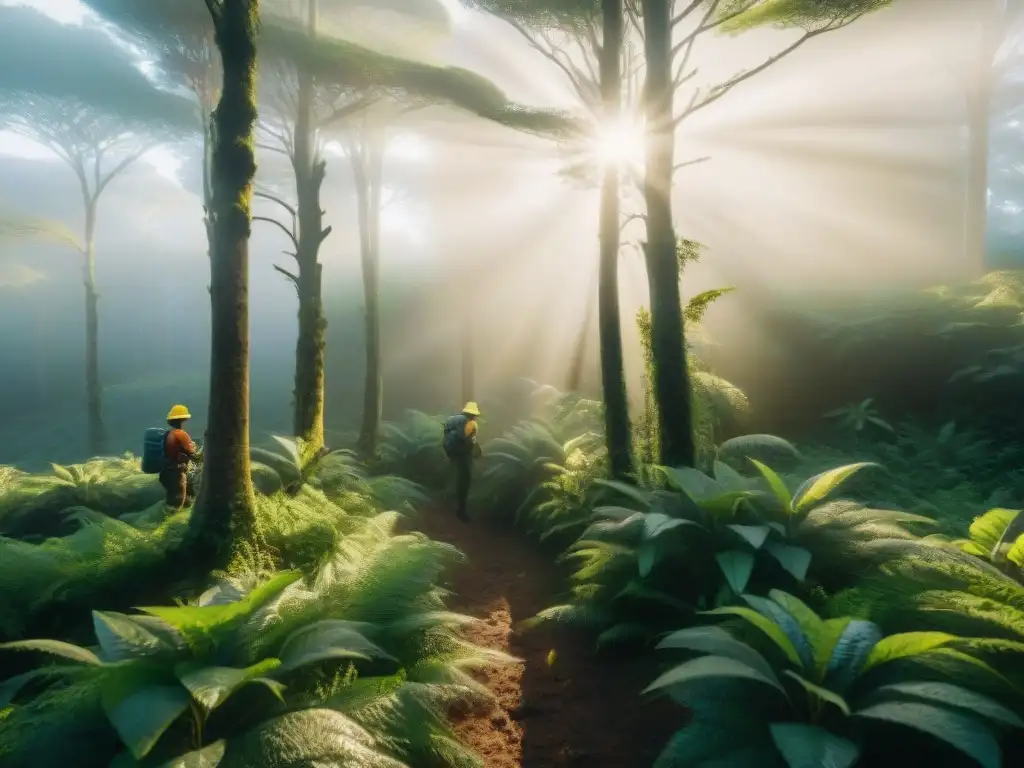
(368, 168)
(225, 505)
(308, 419)
(613, 380)
(671, 377)
(96, 429)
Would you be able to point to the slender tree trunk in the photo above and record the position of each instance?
(979, 106)
(613, 379)
(223, 511)
(308, 420)
(671, 377)
(97, 432)
(368, 166)
(574, 382)
(467, 370)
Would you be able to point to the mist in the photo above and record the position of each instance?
(837, 173)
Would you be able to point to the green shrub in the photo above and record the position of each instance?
(817, 692)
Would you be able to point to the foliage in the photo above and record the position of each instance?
(857, 416)
(819, 693)
(658, 552)
(363, 655)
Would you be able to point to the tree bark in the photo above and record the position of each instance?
(308, 418)
(671, 377)
(574, 381)
(97, 432)
(368, 167)
(613, 380)
(224, 509)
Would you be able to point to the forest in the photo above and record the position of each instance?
(786, 537)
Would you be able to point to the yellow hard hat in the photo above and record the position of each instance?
(178, 412)
(471, 408)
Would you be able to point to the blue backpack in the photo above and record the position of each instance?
(455, 442)
(154, 450)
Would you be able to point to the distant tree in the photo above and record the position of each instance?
(994, 109)
(565, 32)
(225, 505)
(94, 110)
(324, 88)
(179, 37)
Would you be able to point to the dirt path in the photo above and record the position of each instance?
(578, 711)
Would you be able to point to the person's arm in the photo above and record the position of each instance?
(188, 447)
(471, 432)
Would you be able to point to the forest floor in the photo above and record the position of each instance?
(578, 710)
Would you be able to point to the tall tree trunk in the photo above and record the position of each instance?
(574, 381)
(671, 377)
(97, 432)
(613, 379)
(308, 420)
(368, 168)
(224, 509)
(467, 370)
(979, 106)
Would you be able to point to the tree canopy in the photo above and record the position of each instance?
(43, 60)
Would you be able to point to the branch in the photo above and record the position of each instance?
(687, 163)
(631, 218)
(327, 231)
(718, 93)
(271, 148)
(273, 199)
(339, 114)
(213, 6)
(681, 16)
(282, 227)
(293, 278)
(102, 184)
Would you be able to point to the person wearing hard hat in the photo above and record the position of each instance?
(461, 447)
(179, 450)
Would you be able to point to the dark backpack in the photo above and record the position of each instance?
(154, 450)
(455, 442)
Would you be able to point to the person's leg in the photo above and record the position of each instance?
(463, 478)
(175, 486)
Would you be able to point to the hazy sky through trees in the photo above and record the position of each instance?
(841, 167)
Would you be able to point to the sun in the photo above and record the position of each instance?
(618, 144)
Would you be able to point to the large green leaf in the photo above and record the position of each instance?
(965, 733)
(122, 637)
(55, 648)
(818, 692)
(987, 529)
(646, 556)
(329, 639)
(140, 712)
(716, 641)
(737, 566)
(766, 625)
(856, 640)
(807, 746)
(212, 686)
(656, 523)
(710, 668)
(795, 560)
(199, 618)
(755, 535)
(816, 489)
(904, 646)
(788, 624)
(778, 487)
(10, 687)
(949, 695)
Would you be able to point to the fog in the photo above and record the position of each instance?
(838, 171)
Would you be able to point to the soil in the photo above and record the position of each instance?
(578, 710)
